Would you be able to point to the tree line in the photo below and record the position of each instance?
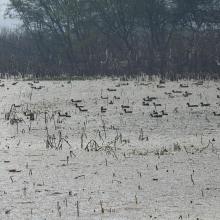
(171, 38)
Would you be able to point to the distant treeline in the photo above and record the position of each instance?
(171, 38)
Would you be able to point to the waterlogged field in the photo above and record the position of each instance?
(109, 149)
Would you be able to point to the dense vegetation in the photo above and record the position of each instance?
(172, 38)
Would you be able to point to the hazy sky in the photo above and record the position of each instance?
(6, 22)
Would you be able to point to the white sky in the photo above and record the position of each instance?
(6, 22)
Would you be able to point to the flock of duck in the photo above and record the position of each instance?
(146, 101)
